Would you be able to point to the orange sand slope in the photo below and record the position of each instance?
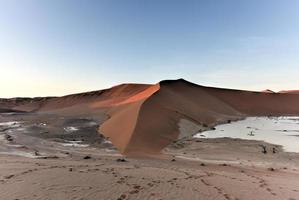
(103, 98)
(143, 119)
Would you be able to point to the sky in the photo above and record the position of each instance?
(58, 47)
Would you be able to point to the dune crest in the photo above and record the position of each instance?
(141, 93)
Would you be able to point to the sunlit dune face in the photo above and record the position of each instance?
(127, 99)
(144, 94)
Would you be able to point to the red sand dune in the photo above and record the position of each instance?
(289, 91)
(145, 118)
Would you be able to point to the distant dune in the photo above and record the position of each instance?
(289, 91)
(143, 119)
(268, 91)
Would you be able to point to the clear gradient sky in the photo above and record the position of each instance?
(56, 47)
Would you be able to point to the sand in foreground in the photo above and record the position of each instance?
(103, 177)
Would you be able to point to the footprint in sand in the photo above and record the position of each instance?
(9, 176)
(262, 183)
(122, 197)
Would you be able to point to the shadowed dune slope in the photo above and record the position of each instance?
(157, 123)
(258, 103)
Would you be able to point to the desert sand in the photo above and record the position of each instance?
(135, 141)
(203, 169)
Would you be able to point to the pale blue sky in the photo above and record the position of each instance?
(56, 47)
